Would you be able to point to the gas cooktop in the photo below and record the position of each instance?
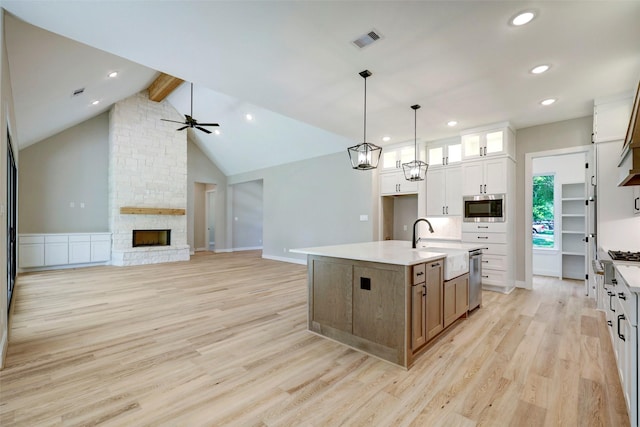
(624, 256)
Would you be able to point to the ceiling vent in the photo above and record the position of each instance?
(78, 92)
(367, 39)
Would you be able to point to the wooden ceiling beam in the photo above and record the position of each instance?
(163, 86)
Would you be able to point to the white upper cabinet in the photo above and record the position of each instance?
(443, 153)
(485, 177)
(611, 117)
(394, 156)
(495, 140)
(444, 191)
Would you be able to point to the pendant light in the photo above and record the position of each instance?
(415, 170)
(364, 156)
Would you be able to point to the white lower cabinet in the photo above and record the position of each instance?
(44, 250)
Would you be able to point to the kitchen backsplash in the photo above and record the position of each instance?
(445, 228)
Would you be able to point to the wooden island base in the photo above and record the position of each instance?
(387, 310)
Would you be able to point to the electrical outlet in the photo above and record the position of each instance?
(72, 204)
(404, 227)
(82, 205)
(284, 250)
(364, 218)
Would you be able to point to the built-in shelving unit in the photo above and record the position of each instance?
(573, 226)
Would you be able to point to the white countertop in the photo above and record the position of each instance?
(631, 275)
(398, 252)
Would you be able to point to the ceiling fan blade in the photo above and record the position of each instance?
(208, 124)
(203, 129)
(183, 127)
(172, 121)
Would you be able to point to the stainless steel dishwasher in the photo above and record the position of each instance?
(475, 279)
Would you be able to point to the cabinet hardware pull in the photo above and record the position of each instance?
(483, 237)
(486, 262)
(614, 282)
(420, 273)
(443, 210)
(611, 295)
(636, 205)
(480, 151)
(485, 189)
(447, 210)
(435, 265)
(486, 277)
(480, 188)
(443, 163)
(622, 296)
(483, 226)
(620, 317)
(447, 160)
(610, 323)
(424, 293)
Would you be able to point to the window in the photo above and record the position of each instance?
(543, 212)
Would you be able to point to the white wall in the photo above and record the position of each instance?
(405, 212)
(567, 169)
(313, 202)
(70, 167)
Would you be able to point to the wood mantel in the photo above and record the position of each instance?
(151, 211)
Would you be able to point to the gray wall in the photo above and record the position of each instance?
(201, 169)
(247, 208)
(70, 167)
(552, 136)
(313, 202)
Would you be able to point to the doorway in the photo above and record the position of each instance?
(557, 190)
(12, 203)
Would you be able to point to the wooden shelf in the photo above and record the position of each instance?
(152, 211)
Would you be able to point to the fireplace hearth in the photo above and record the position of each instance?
(151, 238)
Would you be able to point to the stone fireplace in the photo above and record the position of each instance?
(147, 181)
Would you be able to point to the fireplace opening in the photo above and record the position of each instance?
(151, 238)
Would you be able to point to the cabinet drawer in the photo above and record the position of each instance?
(418, 273)
(30, 239)
(494, 277)
(79, 238)
(494, 249)
(56, 239)
(494, 262)
(484, 227)
(627, 299)
(484, 237)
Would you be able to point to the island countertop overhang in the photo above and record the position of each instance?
(397, 252)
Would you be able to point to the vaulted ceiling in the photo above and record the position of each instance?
(293, 66)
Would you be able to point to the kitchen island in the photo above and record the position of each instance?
(383, 298)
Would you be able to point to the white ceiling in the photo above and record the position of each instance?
(292, 64)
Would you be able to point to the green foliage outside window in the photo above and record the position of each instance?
(543, 227)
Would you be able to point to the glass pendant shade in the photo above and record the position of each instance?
(366, 155)
(415, 170)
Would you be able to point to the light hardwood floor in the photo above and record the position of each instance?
(221, 340)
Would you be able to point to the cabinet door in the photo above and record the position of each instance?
(436, 192)
(471, 146)
(388, 183)
(453, 191)
(79, 252)
(434, 299)
(418, 316)
(56, 253)
(495, 176)
(454, 153)
(406, 187)
(472, 178)
(436, 156)
(449, 305)
(390, 160)
(494, 143)
(100, 251)
(31, 255)
(462, 295)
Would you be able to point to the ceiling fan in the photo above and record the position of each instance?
(190, 122)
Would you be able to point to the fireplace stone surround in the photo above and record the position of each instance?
(147, 169)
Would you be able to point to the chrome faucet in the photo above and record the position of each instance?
(414, 242)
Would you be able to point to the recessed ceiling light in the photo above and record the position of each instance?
(452, 123)
(95, 103)
(386, 138)
(217, 132)
(113, 74)
(249, 117)
(539, 69)
(548, 101)
(523, 18)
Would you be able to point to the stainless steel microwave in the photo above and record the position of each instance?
(484, 208)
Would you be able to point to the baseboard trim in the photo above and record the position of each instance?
(248, 248)
(285, 259)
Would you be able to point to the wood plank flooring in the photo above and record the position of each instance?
(221, 340)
